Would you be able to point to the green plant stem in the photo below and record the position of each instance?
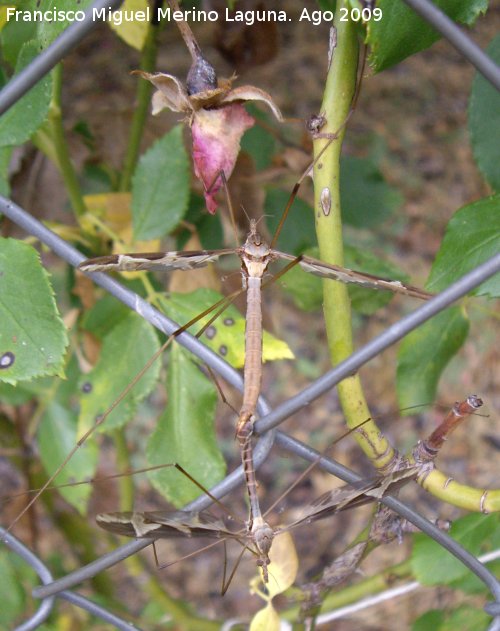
(339, 92)
(143, 98)
(51, 139)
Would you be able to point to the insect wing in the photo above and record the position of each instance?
(154, 261)
(351, 496)
(334, 501)
(334, 272)
(164, 524)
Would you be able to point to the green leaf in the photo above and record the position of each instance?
(14, 395)
(307, 289)
(472, 237)
(104, 316)
(257, 141)
(470, 583)
(366, 198)
(13, 36)
(57, 435)
(39, 388)
(29, 112)
(401, 32)
(226, 336)
(484, 121)
(153, 614)
(185, 433)
(125, 351)
(13, 599)
(32, 335)
(433, 565)
(429, 621)
(48, 30)
(132, 32)
(208, 227)
(466, 617)
(424, 354)
(367, 301)
(160, 187)
(327, 5)
(298, 231)
(5, 156)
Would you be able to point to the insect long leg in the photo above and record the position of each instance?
(229, 205)
(100, 419)
(164, 566)
(312, 466)
(4, 499)
(226, 584)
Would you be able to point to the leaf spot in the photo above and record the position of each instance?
(7, 359)
(223, 350)
(87, 387)
(210, 332)
(228, 321)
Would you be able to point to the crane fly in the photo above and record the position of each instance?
(255, 256)
(205, 524)
(259, 538)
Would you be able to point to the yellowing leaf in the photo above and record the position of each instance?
(284, 565)
(68, 233)
(227, 334)
(275, 348)
(3, 15)
(132, 32)
(111, 212)
(266, 619)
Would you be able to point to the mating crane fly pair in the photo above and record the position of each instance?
(255, 256)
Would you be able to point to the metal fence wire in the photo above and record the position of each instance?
(269, 420)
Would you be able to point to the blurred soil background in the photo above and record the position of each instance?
(417, 112)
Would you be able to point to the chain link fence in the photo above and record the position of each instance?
(269, 420)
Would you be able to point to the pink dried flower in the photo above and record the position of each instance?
(215, 113)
